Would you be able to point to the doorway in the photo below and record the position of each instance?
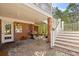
(7, 34)
(0, 31)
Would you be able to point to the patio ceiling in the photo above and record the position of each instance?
(22, 12)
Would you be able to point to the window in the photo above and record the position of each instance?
(7, 29)
(18, 28)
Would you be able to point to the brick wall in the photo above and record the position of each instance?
(26, 28)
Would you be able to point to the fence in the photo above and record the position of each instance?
(71, 26)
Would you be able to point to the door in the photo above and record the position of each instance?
(7, 31)
(0, 31)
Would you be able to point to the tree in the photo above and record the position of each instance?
(71, 14)
(59, 14)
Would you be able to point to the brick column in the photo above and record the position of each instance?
(49, 29)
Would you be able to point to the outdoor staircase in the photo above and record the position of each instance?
(68, 41)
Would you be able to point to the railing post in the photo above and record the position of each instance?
(62, 25)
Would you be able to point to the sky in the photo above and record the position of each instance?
(61, 6)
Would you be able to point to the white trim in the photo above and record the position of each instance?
(17, 20)
(3, 31)
(38, 9)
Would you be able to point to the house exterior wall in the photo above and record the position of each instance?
(25, 31)
(24, 18)
(26, 27)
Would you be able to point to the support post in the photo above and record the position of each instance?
(62, 25)
(49, 29)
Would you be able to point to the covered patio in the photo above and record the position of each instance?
(26, 18)
(16, 23)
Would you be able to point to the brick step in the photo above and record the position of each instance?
(69, 41)
(68, 48)
(68, 37)
(76, 46)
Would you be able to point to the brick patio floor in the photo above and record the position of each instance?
(30, 48)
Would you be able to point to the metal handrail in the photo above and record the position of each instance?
(56, 26)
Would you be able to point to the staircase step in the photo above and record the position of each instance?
(67, 44)
(69, 41)
(72, 35)
(73, 32)
(68, 37)
(68, 48)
